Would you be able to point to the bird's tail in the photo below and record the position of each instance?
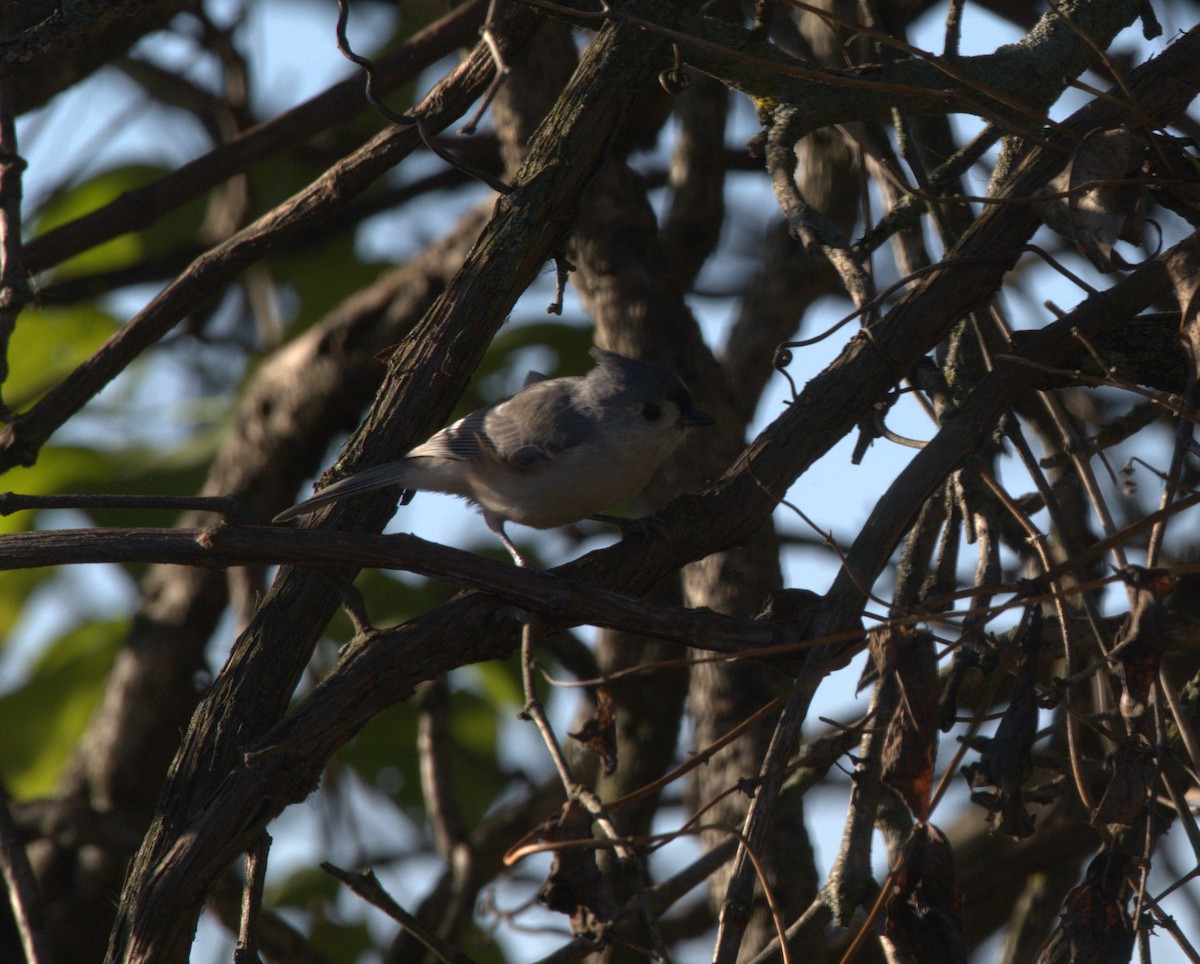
(378, 477)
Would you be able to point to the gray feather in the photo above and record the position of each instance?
(377, 477)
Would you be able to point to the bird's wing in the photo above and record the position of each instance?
(523, 431)
(460, 441)
(538, 424)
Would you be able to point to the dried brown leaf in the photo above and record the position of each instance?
(924, 911)
(575, 886)
(1095, 918)
(1128, 792)
(1142, 640)
(1004, 764)
(1187, 281)
(906, 657)
(1096, 217)
(599, 734)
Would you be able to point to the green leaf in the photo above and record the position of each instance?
(320, 290)
(481, 946)
(302, 888)
(15, 589)
(311, 890)
(568, 342)
(47, 344)
(500, 681)
(384, 756)
(43, 719)
(341, 943)
(392, 599)
(127, 249)
(474, 725)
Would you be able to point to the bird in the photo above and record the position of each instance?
(555, 452)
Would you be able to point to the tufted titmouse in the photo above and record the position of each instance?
(559, 450)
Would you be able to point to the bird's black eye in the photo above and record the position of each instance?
(651, 412)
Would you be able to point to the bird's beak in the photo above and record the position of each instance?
(693, 416)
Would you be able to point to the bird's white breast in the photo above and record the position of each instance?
(574, 485)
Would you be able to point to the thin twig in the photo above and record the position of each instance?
(140, 207)
(252, 896)
(435, 754)
(23, 897)
(14, 287)
(1183, 436)
(953, 28)
(367, 886)
(1187, 735)
(786, 68)
(626, 857)
(1163, 400)
(1168, 923)
(229, 507)
(948, 67)
(662, 896)
(416, 119)
(740, 888)
(501, 73)
(617, 844)
(1038, 541)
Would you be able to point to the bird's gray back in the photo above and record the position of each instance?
(538, 422)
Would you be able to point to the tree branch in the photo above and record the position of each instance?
(74, 40)
(142, 206)
(23, 897)
(561, 599)
(1030, 72)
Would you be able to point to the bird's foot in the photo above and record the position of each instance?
(648, 525)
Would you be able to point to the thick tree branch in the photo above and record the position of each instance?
(1030, 73)
(75, 39)
(142, 206)
(563, 600)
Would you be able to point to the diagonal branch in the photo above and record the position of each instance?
(75, 40)
(142, 206)
(1095, 317)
